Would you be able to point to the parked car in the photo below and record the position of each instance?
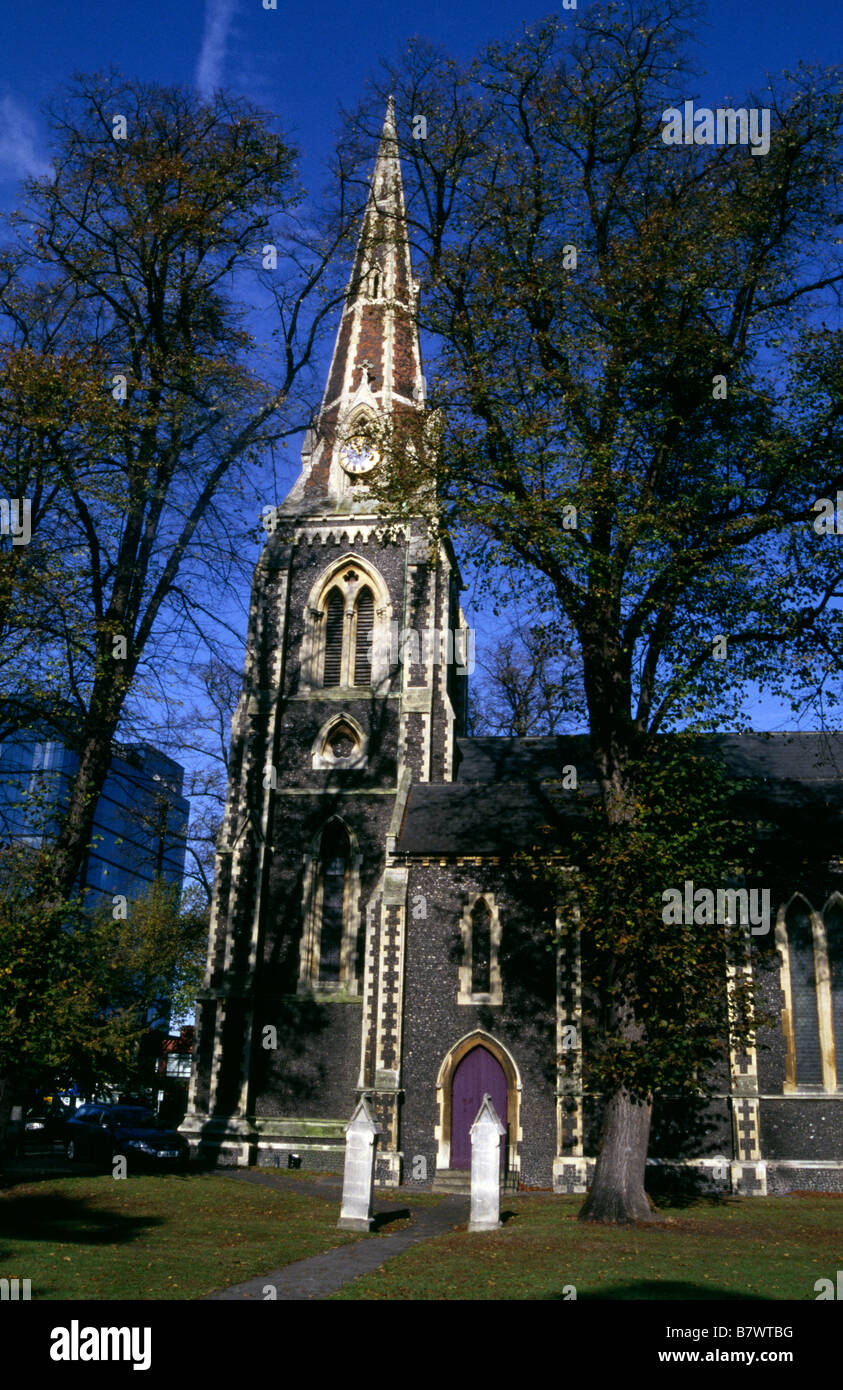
(45, 1122)
(99, 1132)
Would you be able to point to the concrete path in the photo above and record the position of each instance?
(324, 1274)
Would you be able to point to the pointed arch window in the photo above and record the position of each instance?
(349, 622)
(340, 745)
(481, 948)
(479, 971)
(810, 945)
(346, 638)
(833, 921)
(328, 961)
(803, 983)
(334, 859)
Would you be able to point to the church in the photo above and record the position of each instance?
(373, 931)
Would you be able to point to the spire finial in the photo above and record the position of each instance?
(389, 121)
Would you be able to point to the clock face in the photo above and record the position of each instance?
(358, 456)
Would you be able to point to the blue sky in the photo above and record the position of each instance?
(301, 61)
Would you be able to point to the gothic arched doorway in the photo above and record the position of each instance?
(458, 1090)
(476, 1075)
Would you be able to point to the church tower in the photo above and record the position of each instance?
(354, 690)
(375, 927)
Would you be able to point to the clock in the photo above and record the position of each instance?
(359, 456)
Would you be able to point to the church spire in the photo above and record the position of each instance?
(376, 364)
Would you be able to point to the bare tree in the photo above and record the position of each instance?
(202, 739)
(529, 684)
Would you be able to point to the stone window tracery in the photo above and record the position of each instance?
(328, 956)
(340, 745)
(479, 972)
(810, 945)
(345, 644)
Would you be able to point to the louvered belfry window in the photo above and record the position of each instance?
(365, 609)
(481, 948)
(348, 635)
(333, 638)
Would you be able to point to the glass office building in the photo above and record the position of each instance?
(141, 818)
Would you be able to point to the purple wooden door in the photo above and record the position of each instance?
(477, 1073)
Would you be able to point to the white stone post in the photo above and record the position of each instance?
(487, 1134)
(361, 1136)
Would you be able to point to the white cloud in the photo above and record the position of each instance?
(20, 155)
(218, 17)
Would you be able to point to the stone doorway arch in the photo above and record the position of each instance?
(444, 1097)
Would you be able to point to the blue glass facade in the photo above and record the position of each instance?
(141, 817)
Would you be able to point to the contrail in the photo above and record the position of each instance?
(20, 154)
(218, 16)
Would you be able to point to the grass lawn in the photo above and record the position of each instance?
(174, 1237)
(155, 1237)
(738, 1248)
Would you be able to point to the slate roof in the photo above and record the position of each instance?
(507, 793)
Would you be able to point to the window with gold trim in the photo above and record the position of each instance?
(479, 972)
(345, 642)
(349, 632)
(810, 945)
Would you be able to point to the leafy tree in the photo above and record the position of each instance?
(51, 980)
(155, 956)
(657, 1018)
(638, 381)
(130, 403)
(78, 990)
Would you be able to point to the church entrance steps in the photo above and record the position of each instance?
(458, 1180)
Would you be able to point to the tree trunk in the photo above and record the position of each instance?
(6, 1098)
(77, 824)
(617, 1192)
